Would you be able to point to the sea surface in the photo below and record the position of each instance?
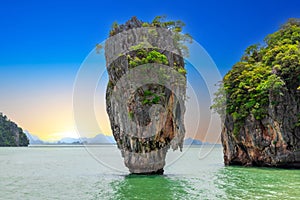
(75, 172)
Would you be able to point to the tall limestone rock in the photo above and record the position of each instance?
(146, 92)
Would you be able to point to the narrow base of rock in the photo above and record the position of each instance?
(145, 163)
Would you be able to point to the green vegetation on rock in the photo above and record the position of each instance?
(264, 72)
(143, 56)
(11, 134)
(176, 27)
(151, 98)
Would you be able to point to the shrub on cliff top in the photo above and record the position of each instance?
(264, 71)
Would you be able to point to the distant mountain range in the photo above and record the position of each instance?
(98, 139)
(191, 141)
(33, 139)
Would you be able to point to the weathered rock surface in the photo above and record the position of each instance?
(145, 103)
(273, 141)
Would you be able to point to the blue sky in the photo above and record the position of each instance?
(58, 32)
(43, 43)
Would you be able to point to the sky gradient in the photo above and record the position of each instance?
(43, 44)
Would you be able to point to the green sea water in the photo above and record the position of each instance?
(198, 173)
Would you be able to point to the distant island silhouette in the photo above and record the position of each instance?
(10, 133)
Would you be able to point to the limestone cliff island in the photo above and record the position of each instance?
(260, 103)
(10, 134)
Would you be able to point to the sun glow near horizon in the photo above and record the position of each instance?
(53, 119)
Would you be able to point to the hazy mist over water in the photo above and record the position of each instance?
(72, 173)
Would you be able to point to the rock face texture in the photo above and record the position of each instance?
(145, 94)
(262, 119)
(273, 141)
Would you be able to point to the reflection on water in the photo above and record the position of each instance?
(210, 182)
(258, 183)
(70, 173)
(148, 187)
